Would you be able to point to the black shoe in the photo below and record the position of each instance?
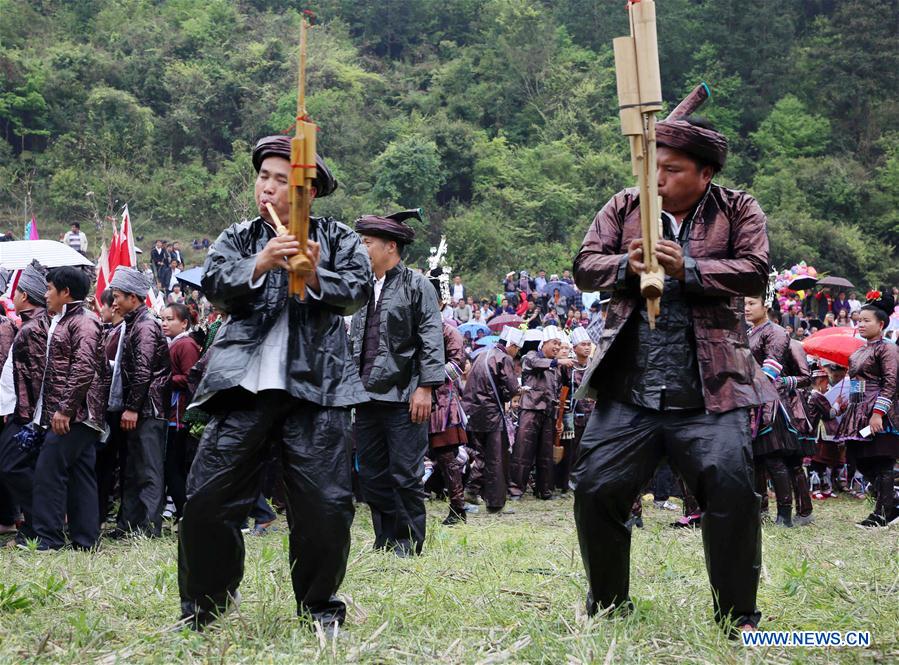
(873, 521)
(634, 521)
(493, 510)
(454, 517)
(621, 610)
(403, 549)
(197, 618)
(784, 518)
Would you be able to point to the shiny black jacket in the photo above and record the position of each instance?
(410, 348)
(320, 369)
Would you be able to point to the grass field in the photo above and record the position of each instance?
(500, 589)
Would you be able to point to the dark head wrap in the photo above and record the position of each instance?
(706, 145)
(391, 227)
(130, 280)
(279, 146)
(33, 283)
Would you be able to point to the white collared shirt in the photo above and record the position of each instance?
(379, 285)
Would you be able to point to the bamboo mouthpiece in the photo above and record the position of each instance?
(280, 229)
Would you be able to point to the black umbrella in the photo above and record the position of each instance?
(191, 278)
(801, 283)
(566, 290)
(839, 282)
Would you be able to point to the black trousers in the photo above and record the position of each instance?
(143, 490)
(17, 473)
(224, 484)
(663, 483)
(391, 451)
(9, 511)
(65, 485)
(619, 453)
(180, 449)
(562, 471)
(110, 465)
(487, 477)
(879, 472)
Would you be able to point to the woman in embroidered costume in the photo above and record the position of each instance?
(868, 425)
(775, 441)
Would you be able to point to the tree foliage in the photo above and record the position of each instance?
(498, 117)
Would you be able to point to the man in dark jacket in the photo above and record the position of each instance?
(541, 382)
(70, 412)
(29, 358)
(160, 258)
(490, 386)
(397, 343)
(681, 390)
(279, 370)
(141, 389)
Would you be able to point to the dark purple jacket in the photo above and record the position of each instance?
(146, 367)
(28, 362)
(727, 259)
(76, 382)
(478, 400)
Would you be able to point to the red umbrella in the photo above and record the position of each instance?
(497, 324)
(835, 345)
(833, 330)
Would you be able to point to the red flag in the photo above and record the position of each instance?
(103, 276)
(113, 255)
(126, 254)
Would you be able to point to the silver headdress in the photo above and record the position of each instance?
(771, 290)
(439, 271)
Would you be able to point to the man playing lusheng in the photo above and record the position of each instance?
(684, 389)
(279, 370)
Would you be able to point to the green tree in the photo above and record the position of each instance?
(409, 172)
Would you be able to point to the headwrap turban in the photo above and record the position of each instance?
(706, 145)
(391, 227)
(129, 280)
(279, 146)
(33, 283)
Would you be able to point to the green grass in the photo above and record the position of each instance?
(506, 589)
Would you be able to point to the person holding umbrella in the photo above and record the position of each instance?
(869, 419)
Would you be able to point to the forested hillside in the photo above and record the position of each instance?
(498, 117)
